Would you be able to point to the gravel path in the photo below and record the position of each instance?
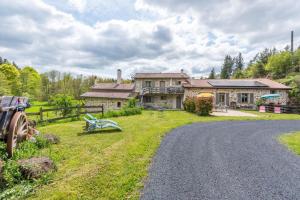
(225, 160)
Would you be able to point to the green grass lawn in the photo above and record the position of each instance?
(292, 141)
(113, 165)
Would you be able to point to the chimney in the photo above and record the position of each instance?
(182, 71)
(119, 76)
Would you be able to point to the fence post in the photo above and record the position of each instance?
(78, 111)
(41, 114)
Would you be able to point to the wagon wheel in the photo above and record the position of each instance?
(18, 130)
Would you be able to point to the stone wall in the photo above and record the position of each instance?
(169, 102)
(109, 104)
(233, 94)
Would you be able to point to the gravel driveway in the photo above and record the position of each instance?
(225, 160)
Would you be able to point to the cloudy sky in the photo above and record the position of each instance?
(100, 36)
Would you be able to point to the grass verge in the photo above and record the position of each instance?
(292, 141)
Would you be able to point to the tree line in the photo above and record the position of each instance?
(28, 82)
(283, 66)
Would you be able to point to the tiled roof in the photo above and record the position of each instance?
(113, 86)
(111, 95)
(161, 75)
(235, 83)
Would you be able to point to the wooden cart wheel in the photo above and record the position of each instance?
(18, 130)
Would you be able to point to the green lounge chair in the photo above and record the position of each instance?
(96, 124)
(91, 117)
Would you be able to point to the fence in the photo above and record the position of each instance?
(295, 109)
(65, 113)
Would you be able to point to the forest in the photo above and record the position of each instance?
(28, 82)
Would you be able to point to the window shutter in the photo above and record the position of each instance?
(144, 84)
(239, 97)
(217, 98)
(251, 98)
(227, 99)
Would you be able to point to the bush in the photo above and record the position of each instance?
(123, 112)
(63, 101)
(203, 105)
(131, 103)
(200, 105)
(189, 104)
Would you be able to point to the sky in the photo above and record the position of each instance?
(97, 37)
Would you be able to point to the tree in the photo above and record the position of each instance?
(30, 82)
(226, 70)
(212, 74)
(5, 88)
(239, 62)
(12, 75)
(280, 64)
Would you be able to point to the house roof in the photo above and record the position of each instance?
(235, 83)
(110, 95)
(161, 75)
(113, 86)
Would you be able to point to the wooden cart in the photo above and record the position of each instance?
(14, 126)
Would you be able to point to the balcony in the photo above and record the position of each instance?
(162, 90)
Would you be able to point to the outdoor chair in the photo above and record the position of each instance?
(94, 124)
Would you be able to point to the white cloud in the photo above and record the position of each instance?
(194, 35)
(79, 5)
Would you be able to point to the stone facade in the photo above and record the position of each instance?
(108, 104)
(233, 95)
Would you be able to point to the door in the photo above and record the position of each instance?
(162, 85)
(178, 102)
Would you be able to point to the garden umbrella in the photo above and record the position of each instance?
(270, 96)
(207, 95)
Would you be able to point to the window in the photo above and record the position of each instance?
(244, 97)
(163, 98)
(147, 99)
(222, 98)
(178, 82)
(148, 83)
(273, 92)
(119, 104)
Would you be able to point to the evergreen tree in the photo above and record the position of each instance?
(212, 74)
(226, 70)
(239, 62)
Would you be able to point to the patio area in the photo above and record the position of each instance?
(233, 113)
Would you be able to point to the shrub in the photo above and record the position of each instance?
(189, 104)
(131, 103)
(63, 101)
(123, 112)
(203, 105)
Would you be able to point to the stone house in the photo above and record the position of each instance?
(161, 89)
(237, 92)
(111, 95)
(169, 90)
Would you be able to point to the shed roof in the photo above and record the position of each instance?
(111, 95)
(113, 86)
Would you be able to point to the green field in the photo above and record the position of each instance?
(292, 140)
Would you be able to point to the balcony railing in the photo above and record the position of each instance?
(162, 90)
